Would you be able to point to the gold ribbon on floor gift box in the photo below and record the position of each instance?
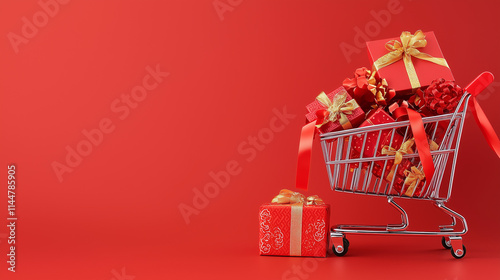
(289, 197)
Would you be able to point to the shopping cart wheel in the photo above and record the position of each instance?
(344, 249)
(346, 241)
(458, 254)
(446, 243)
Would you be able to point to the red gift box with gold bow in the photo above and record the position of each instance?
(335, 111)
(294, 225)
(392, 144)
(409, 180)
(410, 61)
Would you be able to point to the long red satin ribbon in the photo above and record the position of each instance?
(424, 151)
(304, 157)
(479, 84)
(485, 126)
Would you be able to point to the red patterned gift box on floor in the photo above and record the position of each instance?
(410, 61)
(335, 111)
(292, 225)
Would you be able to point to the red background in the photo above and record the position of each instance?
(119, 208)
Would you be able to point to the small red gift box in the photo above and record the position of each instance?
(413, 176)
(335, 111)
(293, 225)
(403, 172)
(399, 73)
(395, 169)
(390, 171)
(378, 116)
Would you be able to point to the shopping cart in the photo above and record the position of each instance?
(354, 174)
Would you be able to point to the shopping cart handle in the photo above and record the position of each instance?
(480, 83)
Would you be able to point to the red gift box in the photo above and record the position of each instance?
(368, 91)
(410, 186)
(337, 109)
(295, 229)
(396, 73)
(403, 172)
(378, 116)
(398, 174)
(396, 168)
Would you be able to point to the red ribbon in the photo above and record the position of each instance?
(322, 115)
(304, 157)
(307, 137)
(399, 113)
(485, 126)
(474, 88)
(441, 97)
(424, 151)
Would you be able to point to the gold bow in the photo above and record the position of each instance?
(337, 109)
(380, 89)
(289, 197)
(405, 50)
(412, 178)
(433, 145)
(403, 150)
(314, 200)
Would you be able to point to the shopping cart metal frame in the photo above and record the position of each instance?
(336, 148)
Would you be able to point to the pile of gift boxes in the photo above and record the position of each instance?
(408, 74)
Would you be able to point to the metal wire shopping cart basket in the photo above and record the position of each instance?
(354, 174)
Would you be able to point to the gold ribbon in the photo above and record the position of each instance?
(412, 178)
(296, 230)
(380, 89)
(337, 109)
(405, 50)
(314, 200)
(296, 201)
(403, 150)
(289, 197)
(433, 145)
